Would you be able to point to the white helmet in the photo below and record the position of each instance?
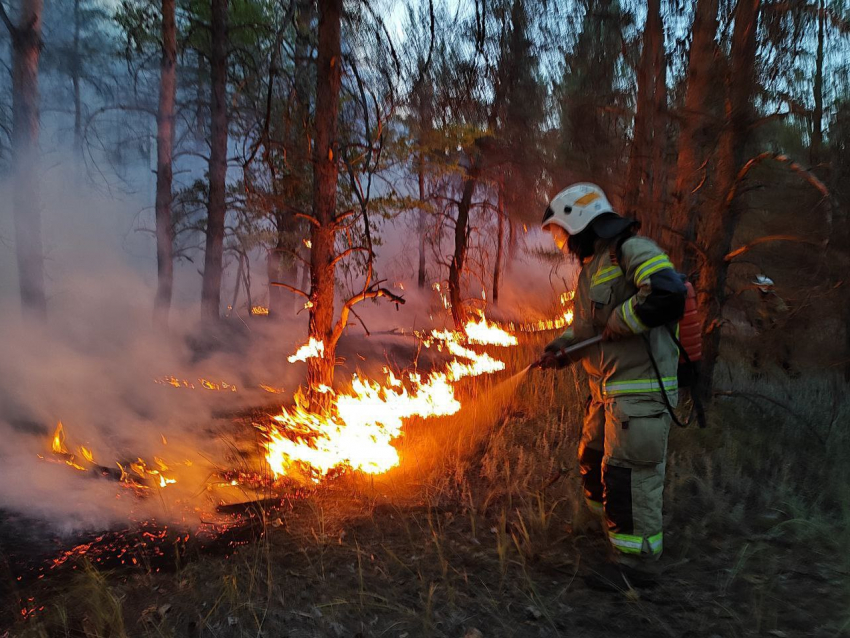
(763, 283)
(575, 207)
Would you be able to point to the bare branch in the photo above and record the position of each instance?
(13, 30)
(297, 291)
(769, 238)
(794, 166)
(310, 219)
(372, 293)
(348, 252)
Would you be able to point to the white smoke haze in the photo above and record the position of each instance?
(94, 366)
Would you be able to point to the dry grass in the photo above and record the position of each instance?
(478, 529)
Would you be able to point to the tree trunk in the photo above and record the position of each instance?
(817, 114)
(164, 172)
(423, 103)
(216, 208)
(26, 47)
(717, 228)
(657, 191)
(500, 240)
(76, 73)
(648, 126)
(461, 240)
(693, 145)
(422, 231)
(636, 171)
(320, 370)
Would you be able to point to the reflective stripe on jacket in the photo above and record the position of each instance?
(635, 293)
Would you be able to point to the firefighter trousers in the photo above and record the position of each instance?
(622, 457)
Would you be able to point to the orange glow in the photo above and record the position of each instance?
(259, 310)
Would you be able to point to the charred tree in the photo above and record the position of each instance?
(693, 133)
(164, 171)
(461, 243)
(422, 226)
(716, 227)
(323, 231)
(217, 205)
(425, 116)
(26, 49)
(500, 240)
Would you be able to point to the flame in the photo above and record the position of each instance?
(567, 298)
(259, 310)
(358, 432)
(211, 385)
(87, 454)
(58, 445)
(361, 425)
(485, 333)
(222, 386)
(311, 349)
(272, 389)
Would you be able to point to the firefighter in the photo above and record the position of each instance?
(767, 313)
(629, 292)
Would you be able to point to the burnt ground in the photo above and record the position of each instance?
(333, 567)
(480, 533)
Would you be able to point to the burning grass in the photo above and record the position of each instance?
(480, 528)
(473, 519)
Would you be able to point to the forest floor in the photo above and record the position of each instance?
(483, 535)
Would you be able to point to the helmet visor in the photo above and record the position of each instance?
(559, 235)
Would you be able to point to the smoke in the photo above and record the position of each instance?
(100, 367)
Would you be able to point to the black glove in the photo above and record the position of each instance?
(554, 357)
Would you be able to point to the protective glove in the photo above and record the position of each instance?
(553, 356)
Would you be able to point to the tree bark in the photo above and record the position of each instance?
(500, 240)
(649, 127)
(164, 171)
(817, 114)
(76, 73)
(657, 191)
(423, 99)
(717, 228)
(422, 227)
(692, 144)
(26, 48)
(320, 370)
(461, 240)
(216, 207)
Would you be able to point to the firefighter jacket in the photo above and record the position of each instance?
(634, 291)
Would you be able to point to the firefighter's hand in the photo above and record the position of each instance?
(553, 355)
